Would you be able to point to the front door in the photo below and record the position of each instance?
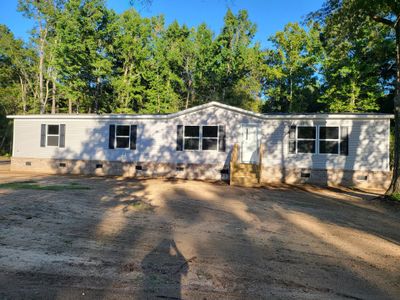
(249, 145)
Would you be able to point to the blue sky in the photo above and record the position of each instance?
(269, 15)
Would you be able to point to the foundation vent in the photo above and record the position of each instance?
(305, 174)
(99, 166)
(180, 169)
(362, 178)
(28, 163)
(62, 165)
(139, 168)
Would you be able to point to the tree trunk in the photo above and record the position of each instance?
(23, 94)
(46, 98)
(53, 98)
(43, 34)
(69, 106)
(97, 95)
(395, 184)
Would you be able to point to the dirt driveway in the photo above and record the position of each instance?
(159, 239)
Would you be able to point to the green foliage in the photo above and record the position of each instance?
(355, 63)
(84, 34)
(395, 196)
(291, 83)
(236, 63)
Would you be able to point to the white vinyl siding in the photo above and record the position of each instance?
(88, 140)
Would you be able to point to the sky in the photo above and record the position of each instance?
(269, 15)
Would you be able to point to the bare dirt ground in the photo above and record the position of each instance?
(163, 239)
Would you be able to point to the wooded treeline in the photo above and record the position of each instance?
(85, 58)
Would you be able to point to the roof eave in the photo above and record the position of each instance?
(204, 106)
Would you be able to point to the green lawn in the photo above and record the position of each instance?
(34, 185)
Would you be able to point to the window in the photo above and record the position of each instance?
(122, 133)
(210, 138)
(53, 135)
(201, 137)
(306, 137)
(122, 136)
(191, 138)
(329, 140)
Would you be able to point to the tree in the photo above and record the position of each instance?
(17, 82)
(291, 83)
(354, 15)
(44, 15)
(82, 55)
(160, 96)
(351, 69)
(235, 63)
(131, 55)
(19, 71)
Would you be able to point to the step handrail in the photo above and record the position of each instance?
(260, 161)
(233, 161)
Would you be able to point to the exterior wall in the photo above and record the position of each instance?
(368, 148)
(86, 144)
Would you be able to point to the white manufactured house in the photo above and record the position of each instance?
(212, 141)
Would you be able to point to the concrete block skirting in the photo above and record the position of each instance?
(117, 168)
(332, 177)
(357, 178)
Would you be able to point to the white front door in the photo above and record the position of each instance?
(249, 145)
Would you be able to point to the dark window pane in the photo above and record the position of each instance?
(52, 129)
(123, 130)
(328, 133)
(122, 142)
(52, 140)
(328, 147)
(210, 131)
(191, 144)
(192, 131)
(210, 144)
(292, 146)
(306, 132)
(306, 147)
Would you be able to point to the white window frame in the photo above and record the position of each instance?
(303, 139)
(200, 137)
(329, 140)
(122, 136)
(57, 135)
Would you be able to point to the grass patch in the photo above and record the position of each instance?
(34, 185)
(395, 197)
(137, 205)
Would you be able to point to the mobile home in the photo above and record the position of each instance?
(213, 141)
